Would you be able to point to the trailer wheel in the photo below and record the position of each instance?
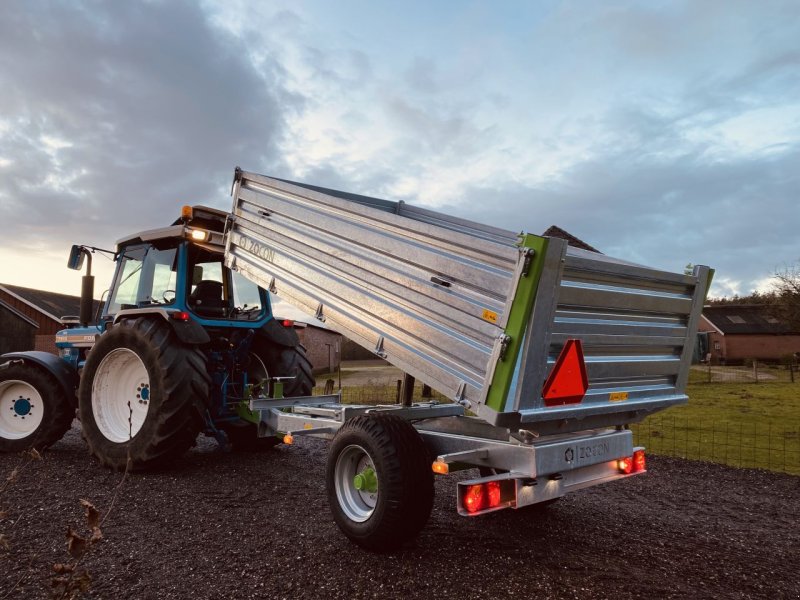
(142, 395)
(271, 360)
(34, 411)
(379, 481)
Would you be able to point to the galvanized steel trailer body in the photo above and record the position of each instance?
(479, 314)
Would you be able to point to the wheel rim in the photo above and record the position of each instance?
(257, 370)
(354, 470)
(120, 395)
(21, 409)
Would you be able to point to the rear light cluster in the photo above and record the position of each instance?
(632, 464)
(482, 496)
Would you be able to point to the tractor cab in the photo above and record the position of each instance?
(180, 269)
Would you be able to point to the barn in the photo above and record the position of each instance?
(30, 318)
(737, 332)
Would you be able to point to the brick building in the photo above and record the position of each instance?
(323, 345)
(742, 331)
(30, 318)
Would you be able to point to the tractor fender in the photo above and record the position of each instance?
(188, 332)
(65, 374)
(277, 333)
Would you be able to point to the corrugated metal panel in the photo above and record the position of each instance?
(414, 286)
(634, 324)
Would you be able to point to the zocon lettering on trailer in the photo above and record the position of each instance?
(520, 313)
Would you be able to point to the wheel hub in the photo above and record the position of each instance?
(22, 407)
(356, 483)
(366, 481)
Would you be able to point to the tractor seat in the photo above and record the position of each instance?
(206, 299)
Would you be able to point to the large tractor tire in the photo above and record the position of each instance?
(379, 481)
(271, 360)
(142, 395)
(34, 410)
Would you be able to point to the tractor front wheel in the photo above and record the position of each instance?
(34, 410)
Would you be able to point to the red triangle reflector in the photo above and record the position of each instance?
(567, 383)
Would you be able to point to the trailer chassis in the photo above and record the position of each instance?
(523, 467)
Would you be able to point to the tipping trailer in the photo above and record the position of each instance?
(548, 352)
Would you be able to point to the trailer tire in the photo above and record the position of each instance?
(389, 506)
(278, 361)
(143, 394)
(34, 410)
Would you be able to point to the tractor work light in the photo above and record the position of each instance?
(199, 235)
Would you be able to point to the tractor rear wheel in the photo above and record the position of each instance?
(34, 410)
(143, 395)
(379, 481)
(270, 360)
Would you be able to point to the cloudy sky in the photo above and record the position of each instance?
(659, 132)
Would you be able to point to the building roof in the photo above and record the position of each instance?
(745, 319)
(51, 304)
(555, 231)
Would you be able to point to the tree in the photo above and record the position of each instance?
(787, 292)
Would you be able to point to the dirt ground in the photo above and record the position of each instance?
(258, 526)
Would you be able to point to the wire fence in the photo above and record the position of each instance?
(753, 372)
(771, 446)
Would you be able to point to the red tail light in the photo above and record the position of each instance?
(639, 463)
(625, 465)
(475, 498)
(632, 464)
(567, 383)
(482, 496)
(493, 493)
(287, 323)
(180, 316)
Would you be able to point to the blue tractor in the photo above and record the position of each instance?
(179, 347)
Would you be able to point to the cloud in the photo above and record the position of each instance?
(115, 114)
(663, 133)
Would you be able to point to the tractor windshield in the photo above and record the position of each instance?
(145, 276)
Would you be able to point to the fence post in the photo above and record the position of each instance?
(709, 371)
(755, 369)
(791, 372)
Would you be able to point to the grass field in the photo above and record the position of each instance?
(740, 423)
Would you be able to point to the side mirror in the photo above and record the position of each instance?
(75, 260)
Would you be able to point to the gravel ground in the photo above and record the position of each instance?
(258, 526)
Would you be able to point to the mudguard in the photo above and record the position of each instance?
(277, 333)
(189, 332)
(64, 372)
